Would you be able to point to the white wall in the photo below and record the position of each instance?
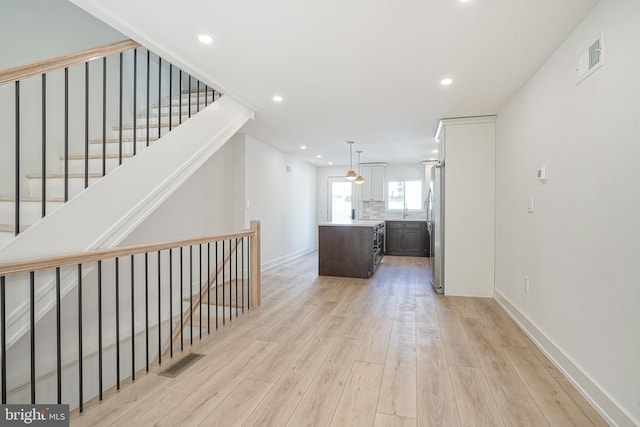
(31, 30)
(581, 247)
(284, 202)
(207, 203)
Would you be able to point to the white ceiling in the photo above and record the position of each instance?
(365, 70)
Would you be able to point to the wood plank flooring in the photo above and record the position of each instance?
(328, 351)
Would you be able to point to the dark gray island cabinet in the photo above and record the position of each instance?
(350, 249)
(407, 238)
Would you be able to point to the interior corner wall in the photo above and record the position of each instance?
(581, 247)
(208, 203)
(283, 201)
(31, 30)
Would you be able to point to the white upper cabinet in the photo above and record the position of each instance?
(373, 186)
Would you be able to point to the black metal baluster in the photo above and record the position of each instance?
(249, 272)
(170, 302)
(208, 288)
(100, 330)
(230, 279)
(191, 294)
(66, 134)
(58, 337)
(189, 95)
(148, 94)
(200, 289)
(217, 284)
(198, 97)
(80, 361)
(104, 116)
(44, 145)
(17, 156)
(206, 95)
(159, 316)
(117, 290)
(120, 114)
(223, 285)
(86, 124)
(181, 300)
(3, 349)
(170, 96)
(180, 99)
(135, 101)
(236, 256)
(133, 323)
(146, 309)
(242, 268)
(159, 96)
(32, 332)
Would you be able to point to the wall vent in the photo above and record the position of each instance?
(590, 59)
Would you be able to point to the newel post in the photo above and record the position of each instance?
(255, 264)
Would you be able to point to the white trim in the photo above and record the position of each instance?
(284, 259)
(597, 397)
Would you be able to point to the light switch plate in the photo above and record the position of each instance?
(531, 207)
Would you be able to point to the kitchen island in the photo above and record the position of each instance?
(350, 249)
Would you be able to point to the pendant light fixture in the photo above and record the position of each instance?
(359, 179)
(351, 174)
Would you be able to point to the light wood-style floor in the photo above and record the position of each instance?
(327, 351)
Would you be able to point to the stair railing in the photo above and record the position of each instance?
(96, 335)
(86, 102)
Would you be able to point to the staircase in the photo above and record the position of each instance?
(103, 157)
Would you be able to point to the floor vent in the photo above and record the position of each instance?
(182, 364)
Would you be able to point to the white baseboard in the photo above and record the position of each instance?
(606, 406)
(279, 261)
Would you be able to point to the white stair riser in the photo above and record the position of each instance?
(55, 186)
(30, 212)
(153, 119)
(95, 165)
(114, 147)
(175, 108)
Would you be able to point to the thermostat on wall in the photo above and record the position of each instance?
(542, 174)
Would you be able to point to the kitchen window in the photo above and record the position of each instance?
(404, 195)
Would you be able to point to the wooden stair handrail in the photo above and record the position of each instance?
(23, 266)
(39, 67)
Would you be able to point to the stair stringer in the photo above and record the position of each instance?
(116, 204)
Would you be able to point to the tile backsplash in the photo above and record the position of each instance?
(375, 209)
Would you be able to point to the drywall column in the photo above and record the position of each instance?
(469, 147)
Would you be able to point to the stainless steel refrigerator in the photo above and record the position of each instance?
(435, 222)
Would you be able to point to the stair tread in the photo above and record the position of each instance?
(61, 175)
(117, 140)
(31, 199)
(10, 228)
(97, 156)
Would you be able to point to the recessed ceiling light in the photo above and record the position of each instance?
(205, 39)
(446, 82)
(277, 98)
(318, 156)
(303, 147)
(434, 151)
(330, 163)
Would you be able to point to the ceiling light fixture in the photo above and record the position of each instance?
(359, 179)
(434, 151)
(205, 39)
(277, 98)
(446, 82)
(318, 156)
(303, 147)
(351, 174)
